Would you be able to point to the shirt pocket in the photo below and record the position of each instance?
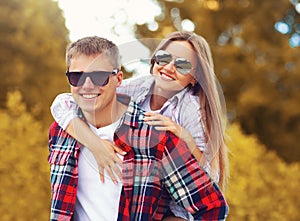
(59, 155)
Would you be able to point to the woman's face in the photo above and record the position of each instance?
(175, 75)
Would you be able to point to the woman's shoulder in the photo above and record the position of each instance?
(189, 101)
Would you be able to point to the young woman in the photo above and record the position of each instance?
(180, 95)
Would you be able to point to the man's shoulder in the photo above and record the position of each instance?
(55, 129)
(57, 133)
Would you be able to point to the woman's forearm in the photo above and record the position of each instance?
(81, 132)
(190, 142)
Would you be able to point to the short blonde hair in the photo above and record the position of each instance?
(93, 45)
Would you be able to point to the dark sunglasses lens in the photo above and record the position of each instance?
(74, 78)
(163, 57)
(100, 79)
(183, 65)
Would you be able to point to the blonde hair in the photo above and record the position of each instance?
(92, 46)
(212, 103)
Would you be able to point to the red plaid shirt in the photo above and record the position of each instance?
(157, 168)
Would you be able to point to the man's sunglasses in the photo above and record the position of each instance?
(99, 78)
(182, 65)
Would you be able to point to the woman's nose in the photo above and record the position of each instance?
(170, 66)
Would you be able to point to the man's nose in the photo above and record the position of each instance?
(88, 83)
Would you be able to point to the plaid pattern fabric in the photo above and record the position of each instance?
(63, 159)
(183, 108)
(157, 168)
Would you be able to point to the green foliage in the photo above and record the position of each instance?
(258, 70)
(24, 187)
(32, 44)
(262, 187)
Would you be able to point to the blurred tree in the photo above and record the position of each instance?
(289, 24)
(32, 44)
(263, 186)
(24, 186)
(258, 70)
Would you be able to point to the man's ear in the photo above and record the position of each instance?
(119, 78)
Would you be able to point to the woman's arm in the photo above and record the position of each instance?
(63, 110)
(103, 150)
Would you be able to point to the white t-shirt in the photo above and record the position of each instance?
(96, 200)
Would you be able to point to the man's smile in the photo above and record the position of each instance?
(90, 96)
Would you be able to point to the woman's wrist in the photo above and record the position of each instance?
(188, 139)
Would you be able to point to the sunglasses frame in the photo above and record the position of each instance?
(90, 75)
(181, 70)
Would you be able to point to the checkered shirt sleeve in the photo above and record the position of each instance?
(63, 153)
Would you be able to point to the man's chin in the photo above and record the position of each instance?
(90, 109)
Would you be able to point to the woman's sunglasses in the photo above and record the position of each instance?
(182, 65)
(99, 78)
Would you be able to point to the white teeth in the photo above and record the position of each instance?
(89, 96)
(166, 77)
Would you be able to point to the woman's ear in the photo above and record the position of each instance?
(193, 82)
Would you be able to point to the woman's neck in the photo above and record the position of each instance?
(157, 101)
(159, 97)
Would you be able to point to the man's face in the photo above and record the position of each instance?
(92, 98)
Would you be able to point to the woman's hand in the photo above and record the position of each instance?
(105, 154)
(164, 123)
(104, 151)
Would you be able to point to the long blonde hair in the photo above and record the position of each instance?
(212, 103)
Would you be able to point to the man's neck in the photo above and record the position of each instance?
(108, 115)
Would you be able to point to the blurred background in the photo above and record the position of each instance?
(256, 50)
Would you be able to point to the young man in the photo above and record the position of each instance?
(158, 166)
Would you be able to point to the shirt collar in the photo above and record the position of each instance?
(149, 82)
(133, 116)
(145, 88)
(179, 96)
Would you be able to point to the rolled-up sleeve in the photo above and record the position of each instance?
(63, 109)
